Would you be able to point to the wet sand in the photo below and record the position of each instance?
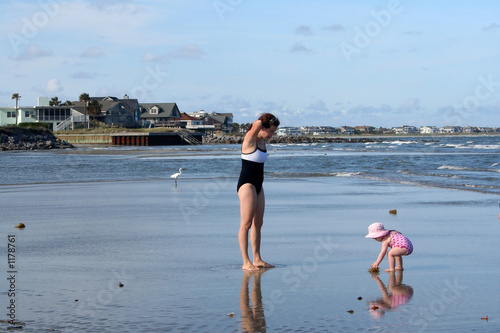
(175, 252)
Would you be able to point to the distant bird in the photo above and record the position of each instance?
(175, 175)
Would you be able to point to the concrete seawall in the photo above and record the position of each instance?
(84, 139)
(129, 139)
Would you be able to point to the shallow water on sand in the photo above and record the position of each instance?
(175, 251)
(464, 163)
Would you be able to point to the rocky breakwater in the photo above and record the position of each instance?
(234, 139)
(30, 139)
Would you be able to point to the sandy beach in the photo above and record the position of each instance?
(146, 256)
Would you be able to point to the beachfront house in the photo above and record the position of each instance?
(159, 114)
(428, 130)
(471, 129)
(346, 130)
(188, 122)
(317, 130)
(364, 129)
(405, 129)
(220, 121)
(112, 111)
(449, 129)
(53, 116)
(288, 131)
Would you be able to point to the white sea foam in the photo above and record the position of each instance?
(453, 167)
(485, 146)
(464, 146)
(398, 142)
(345, 174)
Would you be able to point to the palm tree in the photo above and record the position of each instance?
(68, 103)
(55, 101)
(16, 96)
(94, 109)
(85, 98)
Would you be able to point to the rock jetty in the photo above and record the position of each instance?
(234, 139)
(15, 138)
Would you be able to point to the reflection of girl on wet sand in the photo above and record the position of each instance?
(252, 315)
(398, 294)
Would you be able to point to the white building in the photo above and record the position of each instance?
(405, 129)
(347, 130)
(428, 130)
(449, 129)
(288, 131)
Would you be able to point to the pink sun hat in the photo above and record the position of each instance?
(376, 230)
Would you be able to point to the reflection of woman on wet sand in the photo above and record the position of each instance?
(398, 294)
(252, 315)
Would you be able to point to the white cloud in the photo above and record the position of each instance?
(413, 104)
(53, 86)
(319, 106)
(303, 30)
(492, 26)
(92, 52)
(82, 75)
(188, 51)
(412, 33)
(300, 48)
(334, 27)
(150, 57)
(33, 52)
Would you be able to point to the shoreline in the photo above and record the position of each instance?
(355, 138)
(36, 139)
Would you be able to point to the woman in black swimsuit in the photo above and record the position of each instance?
(250, 191)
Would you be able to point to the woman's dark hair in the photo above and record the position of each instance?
(268, 120)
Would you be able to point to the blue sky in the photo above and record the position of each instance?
(324, 62)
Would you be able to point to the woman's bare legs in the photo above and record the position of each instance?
(258, 221)
(248, 206)
(252, 215)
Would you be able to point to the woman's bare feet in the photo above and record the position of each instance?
(262, 264)
(389, 270)
(250, 267)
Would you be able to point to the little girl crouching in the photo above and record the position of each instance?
(399, 244)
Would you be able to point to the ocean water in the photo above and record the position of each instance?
(98, 217)
(463, 163)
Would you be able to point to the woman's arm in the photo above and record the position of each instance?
(250, 140)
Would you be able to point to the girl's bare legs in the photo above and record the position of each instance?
(399, 263)
(395, 255)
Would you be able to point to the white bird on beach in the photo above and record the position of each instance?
(175, 175)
